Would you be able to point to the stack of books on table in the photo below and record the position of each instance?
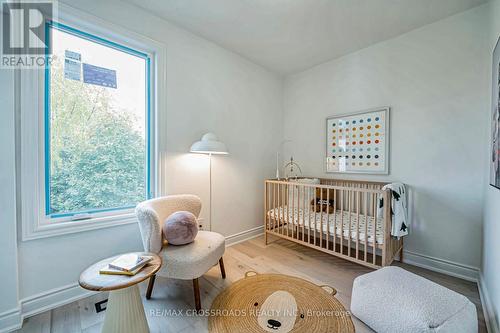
(127, 264)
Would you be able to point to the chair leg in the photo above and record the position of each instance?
(196, 287)
(222, 270)
(150, 286)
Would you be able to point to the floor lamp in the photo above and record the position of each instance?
(209, 144)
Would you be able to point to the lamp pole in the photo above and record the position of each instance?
(210, 191)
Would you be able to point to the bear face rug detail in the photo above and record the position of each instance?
(278, 303)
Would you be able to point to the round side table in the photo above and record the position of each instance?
(124, 312)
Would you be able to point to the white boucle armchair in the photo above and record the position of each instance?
(185, 262)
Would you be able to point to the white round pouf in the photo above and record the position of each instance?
(394, 300)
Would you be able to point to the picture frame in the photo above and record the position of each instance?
(358, 142)
(495, 120)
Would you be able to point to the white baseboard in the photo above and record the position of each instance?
(52, 299)
(13, 320)
(447, 267)
(10, 320)
(244, 235)
(492, 324)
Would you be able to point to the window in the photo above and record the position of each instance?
(88, 138)
(96, 126)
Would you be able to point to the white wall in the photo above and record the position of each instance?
(208, 89)
(434, 80)
(490, 279)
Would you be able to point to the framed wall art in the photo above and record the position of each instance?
(495, 121)
(358, 142)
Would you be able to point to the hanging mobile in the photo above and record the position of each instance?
(290, 169)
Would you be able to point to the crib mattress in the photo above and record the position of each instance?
(338, 221)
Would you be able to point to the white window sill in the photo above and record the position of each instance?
(70, 227)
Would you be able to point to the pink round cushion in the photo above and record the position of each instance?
(180, 228)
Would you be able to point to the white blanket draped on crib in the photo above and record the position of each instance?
(399, 209)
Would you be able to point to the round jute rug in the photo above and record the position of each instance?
(278, 303)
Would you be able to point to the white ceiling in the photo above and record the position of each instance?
(287, 36)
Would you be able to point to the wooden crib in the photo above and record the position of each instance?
(338, 217)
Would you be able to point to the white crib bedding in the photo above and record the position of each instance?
(301, 216)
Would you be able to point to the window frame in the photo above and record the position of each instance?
(32, 105)
(96, 212)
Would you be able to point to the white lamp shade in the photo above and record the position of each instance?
(209, 144)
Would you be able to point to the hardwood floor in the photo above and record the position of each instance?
(279, 256)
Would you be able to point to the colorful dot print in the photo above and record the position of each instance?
(357, 142)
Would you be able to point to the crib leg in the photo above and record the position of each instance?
(401, 252)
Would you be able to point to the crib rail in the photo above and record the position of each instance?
(335, 216)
